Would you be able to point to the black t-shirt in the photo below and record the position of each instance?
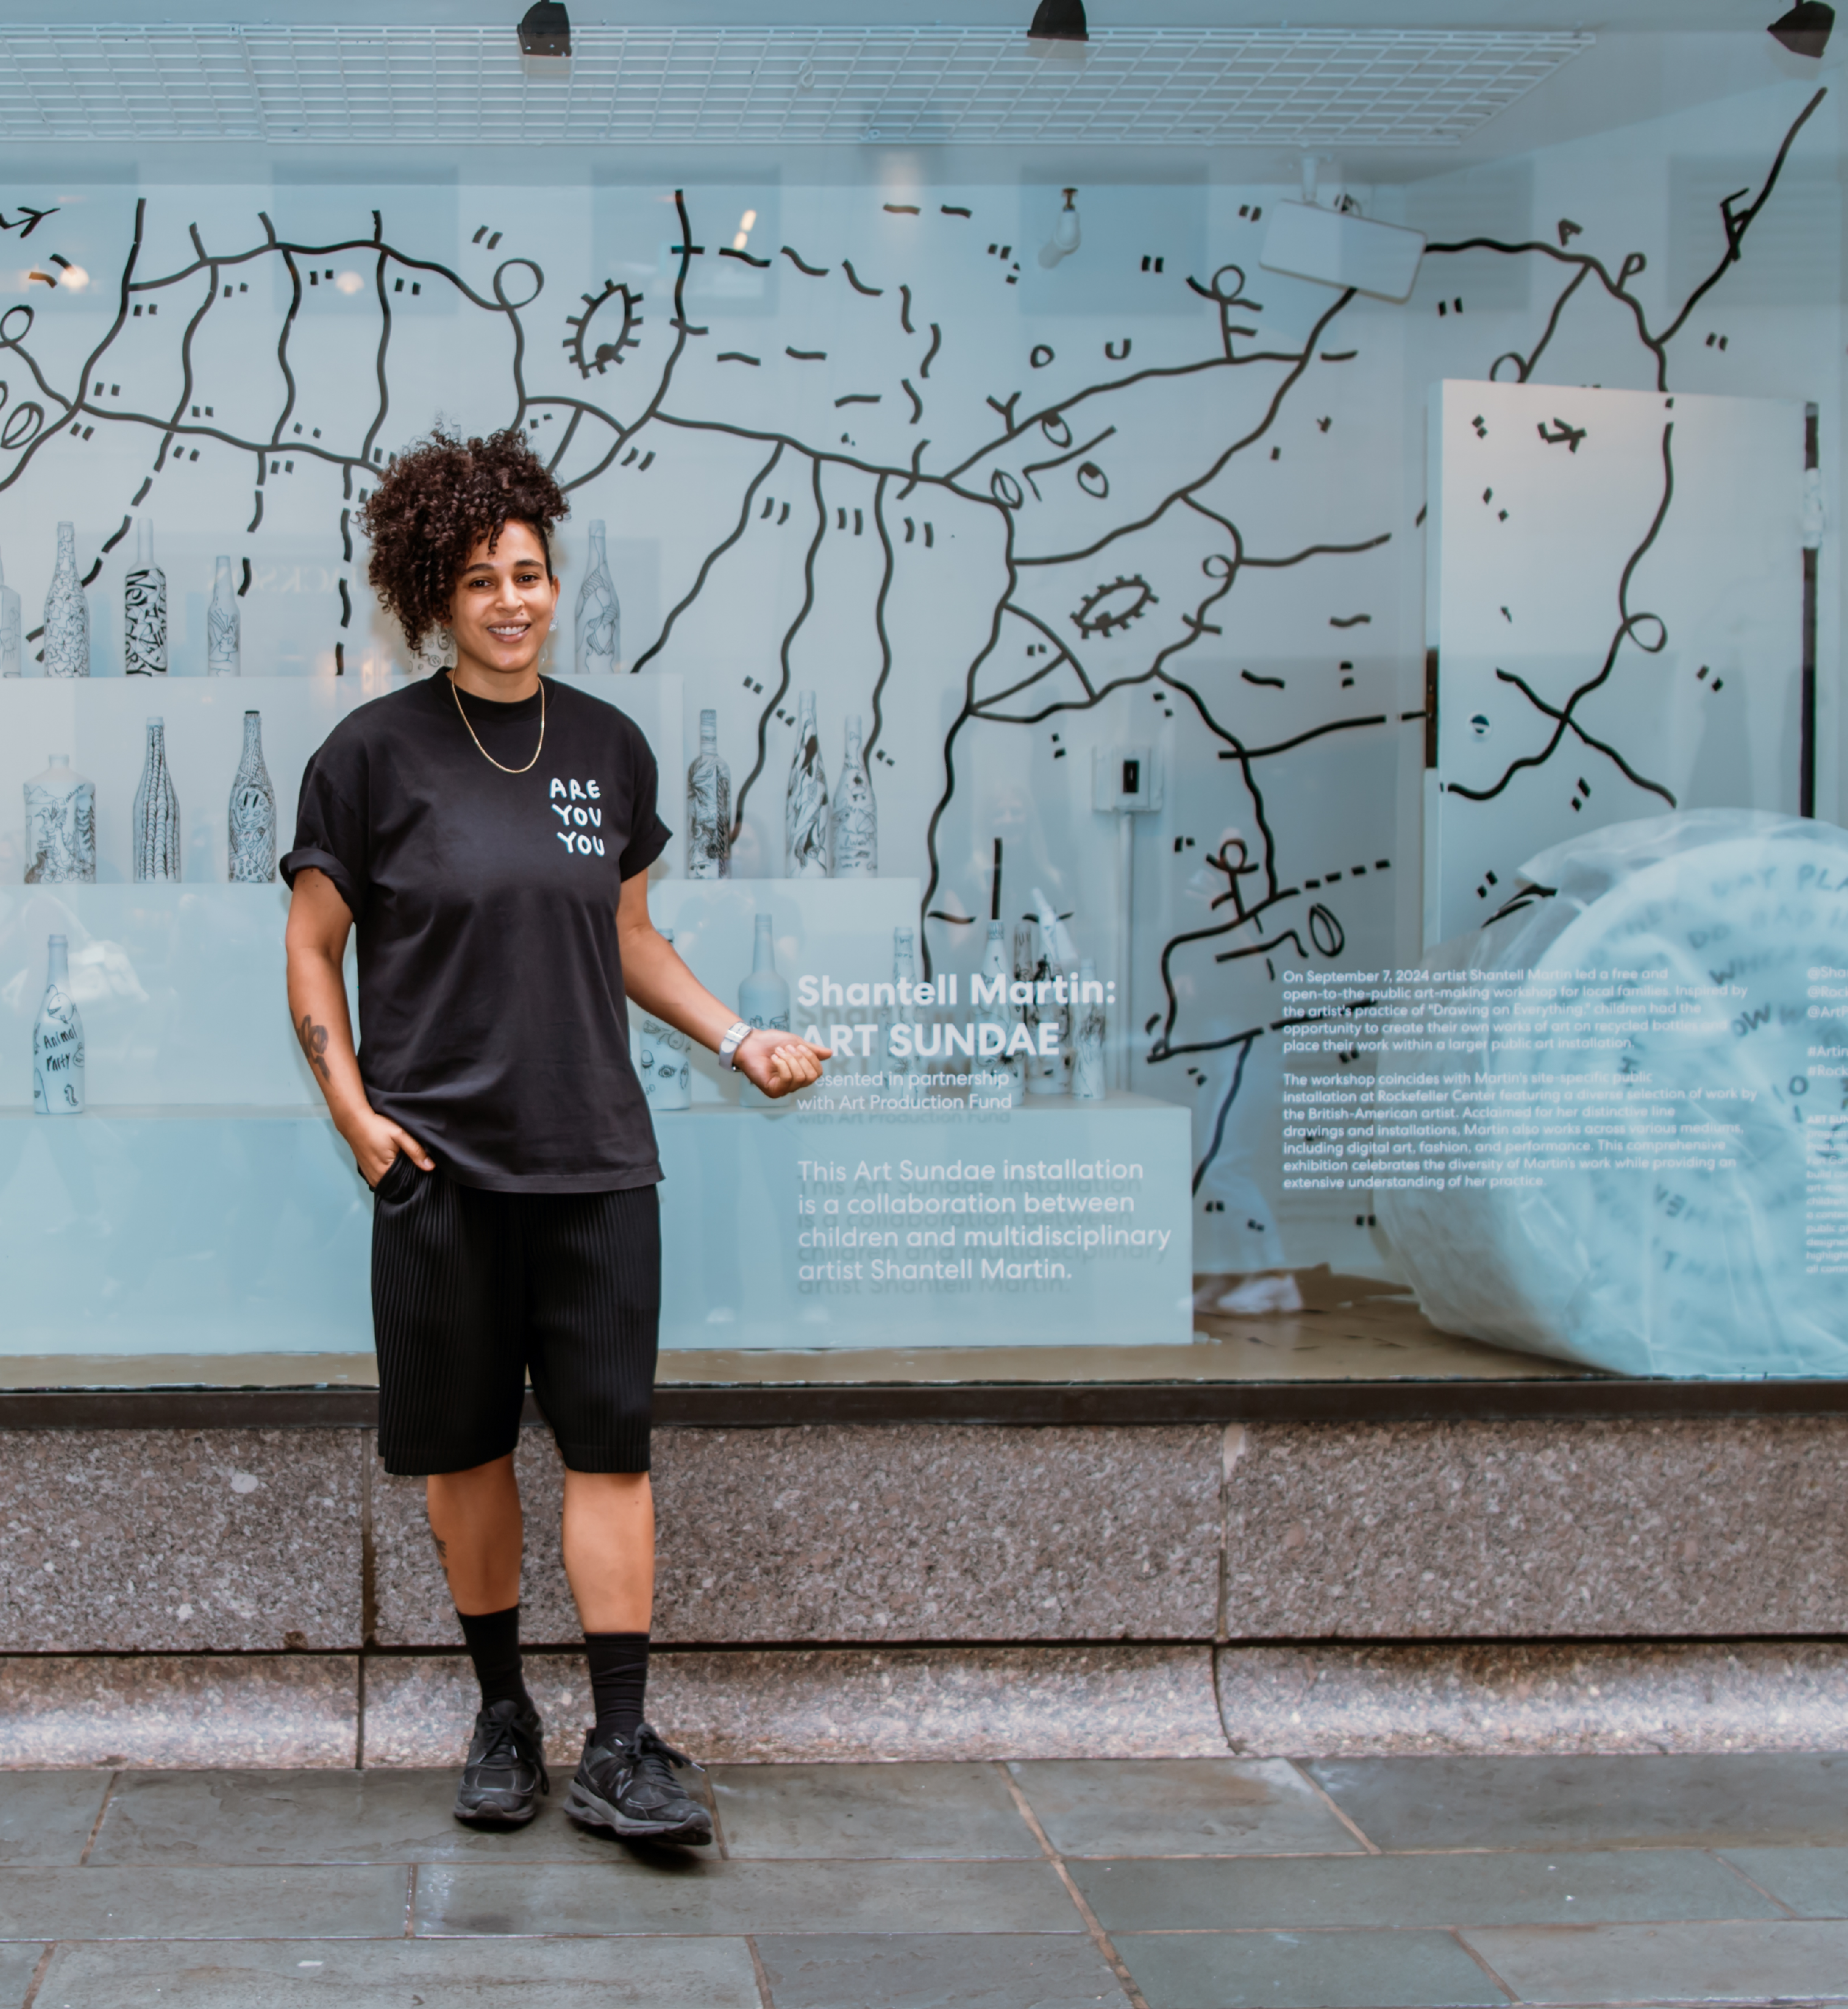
(492, 1019)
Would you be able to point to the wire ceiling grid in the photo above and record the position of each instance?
(712, 87)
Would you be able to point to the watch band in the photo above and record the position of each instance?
(734, 1039)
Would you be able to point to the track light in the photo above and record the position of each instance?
(545, 39)
(1338, 246)
(1804, 30)
(1067, 234)
(1059, 21)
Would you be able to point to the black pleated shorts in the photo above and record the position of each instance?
(471, 1291)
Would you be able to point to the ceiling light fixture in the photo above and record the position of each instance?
(1067, 234)
(545, 39)
(1336, 246)
(1804, 31)
(1059, 21)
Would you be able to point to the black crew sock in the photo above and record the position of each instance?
(619, 1681)
(493, 1639)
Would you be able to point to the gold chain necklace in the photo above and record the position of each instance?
(455, 693)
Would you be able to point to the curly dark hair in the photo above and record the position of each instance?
(436, 502)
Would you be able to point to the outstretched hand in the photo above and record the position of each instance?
(779, 1064)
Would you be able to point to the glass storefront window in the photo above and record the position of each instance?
(1247, 622)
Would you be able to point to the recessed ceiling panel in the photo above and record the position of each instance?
(789, 86)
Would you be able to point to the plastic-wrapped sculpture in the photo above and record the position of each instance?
(1670, 1085)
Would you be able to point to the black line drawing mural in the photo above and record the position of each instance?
(604, 329)
(986, 527)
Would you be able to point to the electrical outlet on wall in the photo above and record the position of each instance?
(1126, 780)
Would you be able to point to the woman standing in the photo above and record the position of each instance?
(488, 834)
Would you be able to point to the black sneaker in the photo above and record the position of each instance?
(628, 1787)
(505, 1772)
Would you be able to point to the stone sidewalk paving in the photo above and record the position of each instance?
(1193, 1883)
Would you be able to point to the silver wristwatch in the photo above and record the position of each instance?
(735, 1038)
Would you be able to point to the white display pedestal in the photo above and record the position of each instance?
(225, 1230)
(211, 1231)
(786, 1227)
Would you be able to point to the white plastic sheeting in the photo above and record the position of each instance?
(1701, 1232)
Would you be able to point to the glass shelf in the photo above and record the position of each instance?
(181, 984)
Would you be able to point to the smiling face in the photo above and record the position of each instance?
(502, 609)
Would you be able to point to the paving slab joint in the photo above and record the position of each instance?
(1099, 1938)
(38, 1977)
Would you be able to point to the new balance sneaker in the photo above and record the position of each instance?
(505, 1772)
(628, 1787)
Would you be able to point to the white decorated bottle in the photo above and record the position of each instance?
(805, 801)
(250, 851)
(144, 609)
(67, 613)
(709, 806)
(1026, 965)
(599, 622)
(1088, 1083)
(855, 815)
(57, 1041)
(1046, 1073)
(664, 1060)
(12, 658)
(224, 625)
(434, 652)
(763, 998)
(60, 826)
(155, 829)
(899, 1070)
(996, 969)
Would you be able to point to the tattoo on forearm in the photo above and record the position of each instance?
(314, 1044)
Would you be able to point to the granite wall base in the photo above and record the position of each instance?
(869, 1532)
(1509, 1530)
(178, 1709)
(1686, 1696)
(889, 1590)
(269, 1711)
(838, 1704)
(180, 1541)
